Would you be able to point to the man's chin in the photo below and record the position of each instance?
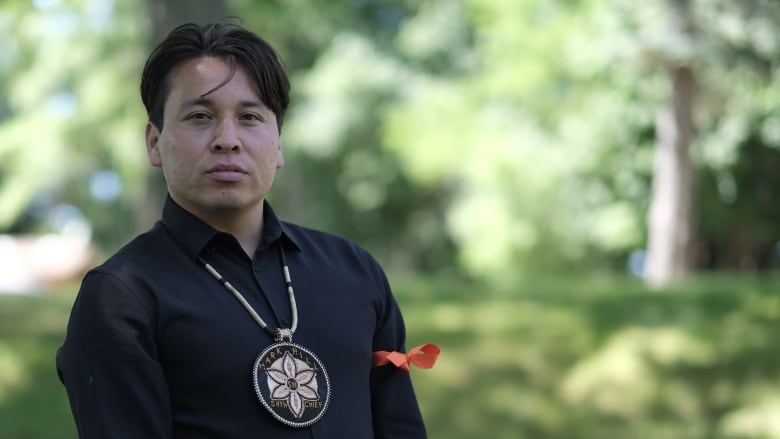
(232, 202)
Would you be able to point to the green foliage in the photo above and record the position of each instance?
(339, 176)
(531, 170)
(69, 106)
(500, 137)
(547, 136)
(570, 357)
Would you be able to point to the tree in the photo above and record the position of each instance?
(345, 71)
(555, 124)
(671, 218)
(500, 130)
(507, 138)
(703, 48)
(72, 121)
(68, 114)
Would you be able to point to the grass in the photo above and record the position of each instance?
(33, 404)
(561, 358)
(599, 357)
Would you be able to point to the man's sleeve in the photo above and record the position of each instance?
(108, 363)
(394, 406)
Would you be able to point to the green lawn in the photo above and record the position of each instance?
(599, 358)
(33, 404)
(563, 358)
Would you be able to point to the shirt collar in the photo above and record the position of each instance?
(192, 234)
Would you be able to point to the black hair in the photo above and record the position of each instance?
(230, 42)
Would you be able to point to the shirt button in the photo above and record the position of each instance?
(285, 321)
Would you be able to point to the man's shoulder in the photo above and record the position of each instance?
(329, 244)
(142, 252)
(298, 231)
(303, 235)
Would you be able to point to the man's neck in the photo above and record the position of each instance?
(246, 227)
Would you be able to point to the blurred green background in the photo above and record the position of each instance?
(577, 200)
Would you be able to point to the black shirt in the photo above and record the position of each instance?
(156, 347)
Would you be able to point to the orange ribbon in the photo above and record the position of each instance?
(423, 356)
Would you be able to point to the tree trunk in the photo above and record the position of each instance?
(671, 208)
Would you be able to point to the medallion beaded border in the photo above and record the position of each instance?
(260, 396)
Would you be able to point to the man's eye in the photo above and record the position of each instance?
(251, 116)
(198, 116)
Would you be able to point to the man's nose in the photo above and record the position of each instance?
(226, 136)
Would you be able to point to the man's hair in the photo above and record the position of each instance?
(229, 42)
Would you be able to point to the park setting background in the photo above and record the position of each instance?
(577, 200)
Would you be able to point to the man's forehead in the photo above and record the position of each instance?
(197, 80)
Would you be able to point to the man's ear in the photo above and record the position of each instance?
(152, 144)
(279, 156)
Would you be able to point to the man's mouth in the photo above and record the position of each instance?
(227, 173)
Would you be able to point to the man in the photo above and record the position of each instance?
(221, 321)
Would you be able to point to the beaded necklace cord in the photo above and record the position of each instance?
(290, 381)
(280, 334)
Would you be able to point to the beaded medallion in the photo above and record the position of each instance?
(292, 384)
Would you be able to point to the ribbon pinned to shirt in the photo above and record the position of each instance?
(423, 356)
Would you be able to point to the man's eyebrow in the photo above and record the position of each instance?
(206, 102)
(257, 103)
(199, 101)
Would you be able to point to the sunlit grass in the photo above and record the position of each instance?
(596, 357)
(550, 358)
(33, 403)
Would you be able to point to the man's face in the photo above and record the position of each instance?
(219, 152)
